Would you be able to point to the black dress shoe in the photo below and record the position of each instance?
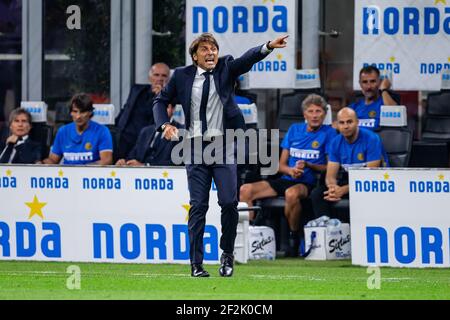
(198, 271)
(226, 267)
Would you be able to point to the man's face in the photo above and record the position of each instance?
(347, 124)
(315, 116)
(159, 76)
(80, 118)
(20, 126)
(207, 56)
(370, 83)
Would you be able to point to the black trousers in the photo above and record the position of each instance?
(331, 209)
(199, 182)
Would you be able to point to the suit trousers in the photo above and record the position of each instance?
(199, 181)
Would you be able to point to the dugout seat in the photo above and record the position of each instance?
(62, 113)
(105, 115)
(432, 151)
(40, 131)
(398, 145)
(437, 117)
(43, 134)
(395, 135)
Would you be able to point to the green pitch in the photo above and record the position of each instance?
(279, 279)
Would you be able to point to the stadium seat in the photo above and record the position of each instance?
(62, 113)
(115, 139)
(398, 144)
(285, 122)
(4, 130)
(429, 154)
(432, 151)
(43, 134)
(437, 117)
(40, 131)
(395, 135)
(290, 110)
(104, 114)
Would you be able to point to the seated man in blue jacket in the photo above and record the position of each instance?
(137, 113)
(151, 148)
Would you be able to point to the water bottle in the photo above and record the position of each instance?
(322, 221)
(334, 223)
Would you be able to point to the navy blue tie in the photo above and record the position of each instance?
(152, 148)
(204, 102)
(155, 140)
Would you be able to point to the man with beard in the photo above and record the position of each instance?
(376, 94)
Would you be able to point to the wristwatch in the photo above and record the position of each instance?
(163, 127)
(383, 90)
(268, 45)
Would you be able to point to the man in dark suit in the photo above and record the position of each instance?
(137, 112)
(206, 92)
(18, 147)
(151, 148)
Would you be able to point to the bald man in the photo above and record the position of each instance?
(353, 147)
(137, 113)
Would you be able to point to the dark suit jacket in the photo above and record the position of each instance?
(27, 153)
(123, 119)
(160, 154)
(225, 74)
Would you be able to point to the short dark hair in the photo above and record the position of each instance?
(82, 101)
(369, 69)
(16, 112)
(204, 37)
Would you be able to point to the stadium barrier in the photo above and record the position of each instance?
(399, 217)
(101, 214)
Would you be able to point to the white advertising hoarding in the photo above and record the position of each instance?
(409, 38)
(239, 25)
(100, 214)
(400, 218)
